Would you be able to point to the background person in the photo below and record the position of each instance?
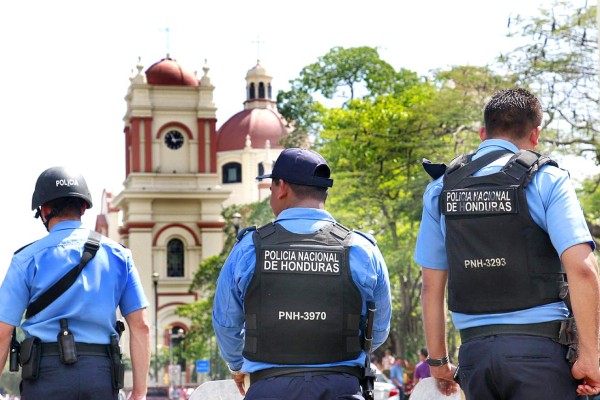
(422, 368)
(387, 361)
(397, 375)
(503, 256)
(109, 280)
(301, 318)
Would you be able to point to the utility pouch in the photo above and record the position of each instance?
(568, 337)
(66, 344)
(30, 355)
(118, 369)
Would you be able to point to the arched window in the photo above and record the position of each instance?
(175, 267)
(261, 169)
(270, 91)
(251, 92)
(232, 172)
(261, 90)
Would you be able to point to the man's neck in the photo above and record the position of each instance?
(57, 220)
(305, 203)
(520, 144)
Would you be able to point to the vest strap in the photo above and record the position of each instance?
(266, 230)
(454, 177)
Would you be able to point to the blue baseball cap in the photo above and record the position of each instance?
(301, 167)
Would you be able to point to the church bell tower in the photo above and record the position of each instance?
(171, 202)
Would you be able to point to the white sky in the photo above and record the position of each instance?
(65, 68)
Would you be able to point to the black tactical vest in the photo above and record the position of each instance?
(302, 306)
(499, 259)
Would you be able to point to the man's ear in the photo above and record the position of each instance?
(534, 135)
(482, 133)
(283, 189)
(44, 210)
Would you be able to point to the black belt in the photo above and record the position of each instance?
(83, 349)
(545, 329)
(302, 371)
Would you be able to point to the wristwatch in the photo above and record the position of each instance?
(437, 362)
(234, 373)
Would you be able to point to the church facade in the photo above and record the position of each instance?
(180, 172)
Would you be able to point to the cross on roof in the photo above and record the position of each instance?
(167, 31)
(258, 42)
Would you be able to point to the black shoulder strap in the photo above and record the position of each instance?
(459, 161)
(525, 164)
(89, 251)
(266, 230)
(454, 176)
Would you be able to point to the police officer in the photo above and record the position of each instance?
(496, 227)
(290, 299)
(86, 310)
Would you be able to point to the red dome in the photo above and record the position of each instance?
(168, 72)
(261, 124)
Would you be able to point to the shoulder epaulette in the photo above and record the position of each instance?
(244, 231)
(23, 247)
(367, 236)
(434, 170)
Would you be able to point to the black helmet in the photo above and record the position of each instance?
(57, 182)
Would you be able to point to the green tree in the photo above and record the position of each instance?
(375, 142)
(560, 63)
(341, 74)
(375, 146)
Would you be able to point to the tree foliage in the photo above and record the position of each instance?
(375, 124)
(560, 63)
(375, 142)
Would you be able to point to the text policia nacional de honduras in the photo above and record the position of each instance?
(302, 261)
(477, 201)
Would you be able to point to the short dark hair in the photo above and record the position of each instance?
(67, 206)
(513, 113)
(304, 191)
(424, 352)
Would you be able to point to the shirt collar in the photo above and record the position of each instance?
(304, 213)
(70, 224)
(490, 145)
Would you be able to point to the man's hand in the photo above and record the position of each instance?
(584, 287)
(444, 377)
(589, 373)
(239, 378)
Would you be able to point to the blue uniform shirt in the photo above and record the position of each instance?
(554, 207)
(366, 264)
(109, 280)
